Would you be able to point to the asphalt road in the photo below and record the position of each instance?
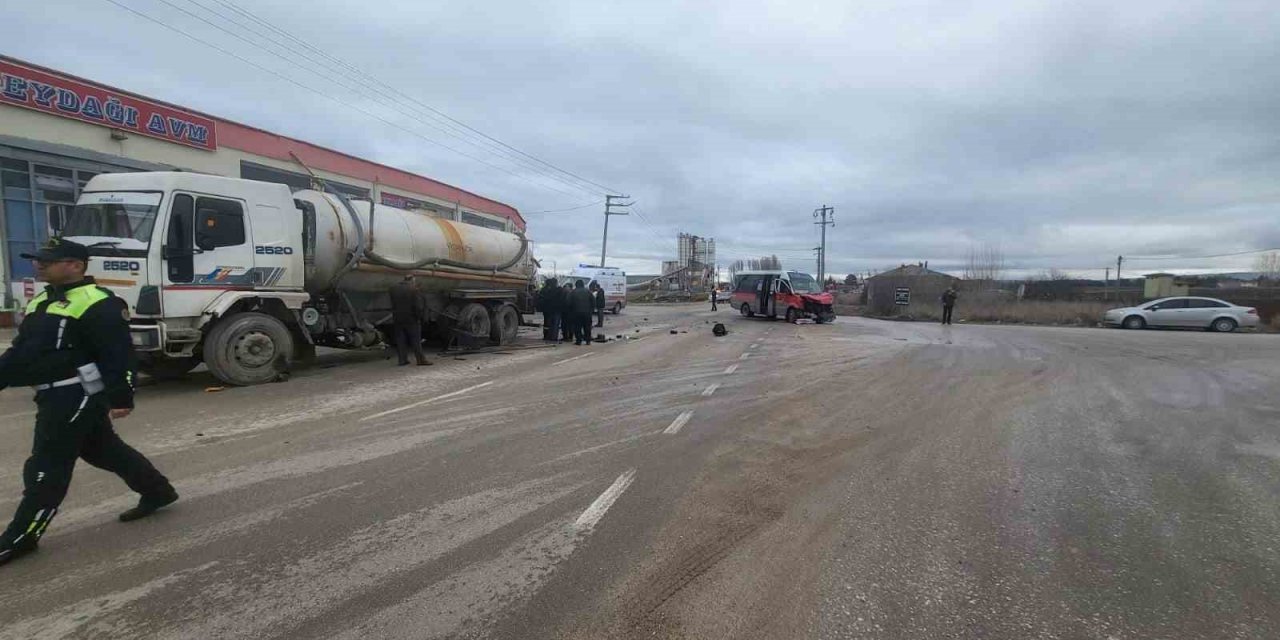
(857, 480)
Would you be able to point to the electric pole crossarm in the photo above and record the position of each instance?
(609, 206)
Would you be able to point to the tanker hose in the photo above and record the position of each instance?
(360, 252)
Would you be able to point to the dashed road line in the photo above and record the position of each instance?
(585, 355)
(730, 369)
(596, 511)
(427, 401)
(744, 356)
(706, 393)
(754, 345)
(678, 423)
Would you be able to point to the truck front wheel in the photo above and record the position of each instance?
(248, 349)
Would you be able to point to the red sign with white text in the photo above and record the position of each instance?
(34, 89)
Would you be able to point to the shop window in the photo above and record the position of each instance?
(19, 217)
(37, 200)
(296, 181)
(481, 221)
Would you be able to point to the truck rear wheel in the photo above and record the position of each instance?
(504, 324)
(446, 322)
(248, 349)
(472, 323)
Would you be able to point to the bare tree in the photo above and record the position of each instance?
(1053, 274)
(734, 268)
(986, 263)
(1268, 265)
(764, 263)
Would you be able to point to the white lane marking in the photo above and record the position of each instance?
(754, 346)
(678, 423)
(710, 390)
(731, 368)
(585, 355)
(427, 401)
(601, 447)
(744, 356)
(596, 511)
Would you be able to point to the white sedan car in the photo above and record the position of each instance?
(1187, 312)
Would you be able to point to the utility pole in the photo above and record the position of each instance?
(827, 216)
(1106, 283)
(1119, 261)
(609, 207)
(817, 252)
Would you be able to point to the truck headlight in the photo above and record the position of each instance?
(145, 339)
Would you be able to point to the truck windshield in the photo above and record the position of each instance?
(803, 283)
(115, 220)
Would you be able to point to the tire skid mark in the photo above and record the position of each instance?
(88, 614)
(301, 589)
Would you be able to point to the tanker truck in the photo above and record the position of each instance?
(248, 276)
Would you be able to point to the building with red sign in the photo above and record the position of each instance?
(57, 131)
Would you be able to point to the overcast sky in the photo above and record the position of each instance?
(1066, 133)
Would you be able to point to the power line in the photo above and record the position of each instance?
(589, 204)
(369, 79)
(362, 84)
(317, 91)
(1219, 255)
(653, 229)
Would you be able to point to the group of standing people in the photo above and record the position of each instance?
(566, 310)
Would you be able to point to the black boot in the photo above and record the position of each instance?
(149, 505)
(9, 552)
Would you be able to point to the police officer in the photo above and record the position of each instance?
(73, 347)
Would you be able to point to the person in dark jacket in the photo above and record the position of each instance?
(598, 292)
(550, 303)
(948, 304)
(408, 312)
(566, 314)
(73, 347)
(580, 303)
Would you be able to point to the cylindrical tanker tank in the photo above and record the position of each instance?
(443, 254)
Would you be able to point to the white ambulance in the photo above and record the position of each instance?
(613, 280)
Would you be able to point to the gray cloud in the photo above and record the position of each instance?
(1066, 133)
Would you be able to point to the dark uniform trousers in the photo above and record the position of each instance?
(70, 426)
(567, 320)
(582, 327)
(409, 338)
